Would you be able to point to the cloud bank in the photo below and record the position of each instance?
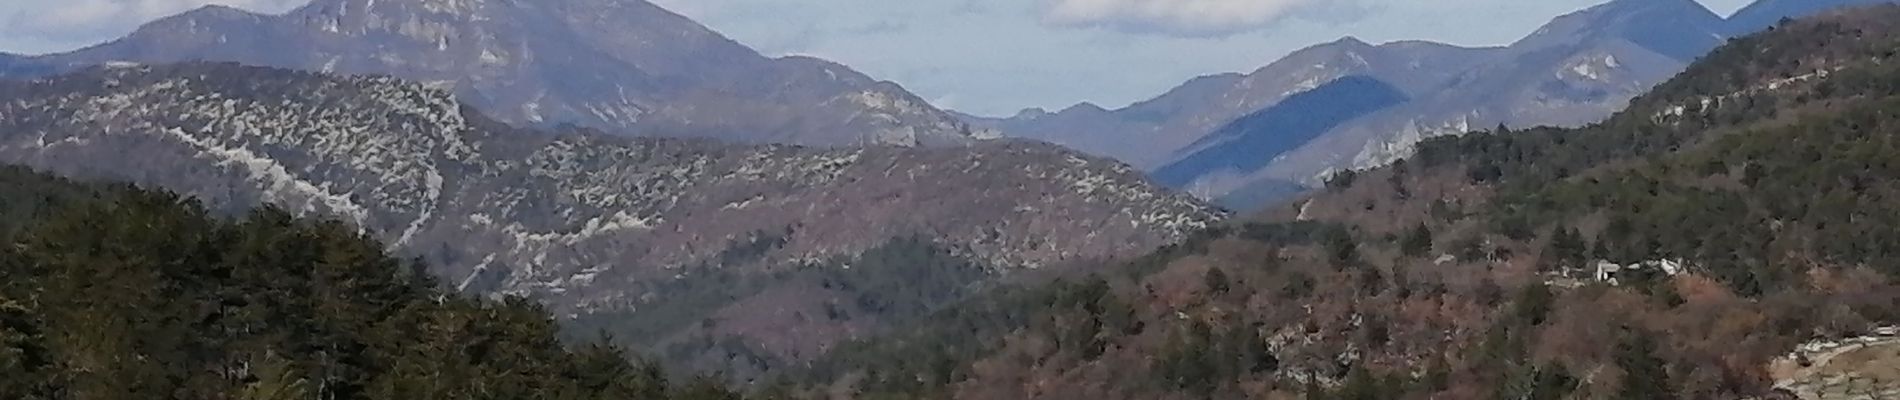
(1198, 18)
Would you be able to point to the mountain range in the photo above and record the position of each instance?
(621, 66)
(650, 72)
(1183, 115)
(645, 177)
(1575, 70)
(591, 223)
(1728, 235)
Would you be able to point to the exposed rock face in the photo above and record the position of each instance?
(571, 216)
(623, 66)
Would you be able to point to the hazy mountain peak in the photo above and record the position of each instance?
(1616, 14)
(1680, 29)
(624, 66)
(1654, 5)
(435, 6)
(222, 10)
(1084, 107)
(1347, 53)
(1031, 113)
(1351, 41)
(1344, 44)
(1419, 44)
(209, 13)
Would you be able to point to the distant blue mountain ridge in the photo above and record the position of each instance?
(1252, 141)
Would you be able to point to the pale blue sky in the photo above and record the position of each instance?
(989, 57)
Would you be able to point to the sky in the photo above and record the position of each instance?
(986, 57)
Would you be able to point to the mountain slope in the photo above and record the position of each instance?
(623, 66)
(585, 222)
(1764, 14)
(1576, 70)
(1735, 217)
(1679, 29)
(1152, 132)
(1252, 141)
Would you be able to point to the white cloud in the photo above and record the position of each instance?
(1184, 17)
(85, 20)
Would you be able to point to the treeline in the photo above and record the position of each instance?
(119, 293)
(1080, 319)
(894, 284)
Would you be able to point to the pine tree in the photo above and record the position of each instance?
(1342, 180)
(1437, 376)
(705, 388)
(1217, 281)
(1567, 247)
(603, 371)
(276, 379)
(1644, 376)
(1533, 304)
(1361, 385)
(1417, 242)
(1340, 247)
(23, 359)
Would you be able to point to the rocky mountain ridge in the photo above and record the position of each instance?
(622, 66)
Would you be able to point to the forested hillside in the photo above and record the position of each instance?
(1672, 252)
(110, 292)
